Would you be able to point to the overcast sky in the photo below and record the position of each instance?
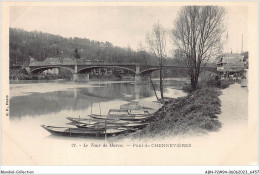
(122, 26)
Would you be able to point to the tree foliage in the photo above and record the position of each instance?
(197, 36)
(76, 54)
(42, 45)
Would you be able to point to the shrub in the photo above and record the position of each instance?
(214, 82)
(188, 89)
(225, 84)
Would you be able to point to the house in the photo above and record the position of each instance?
(32, 59)
(67, 60)
(230, 63)
(51, 60)
(245, 54)
(33, 62)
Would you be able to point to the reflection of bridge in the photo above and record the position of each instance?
(81, 70)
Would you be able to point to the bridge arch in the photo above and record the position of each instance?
(148, 71)
(41, 69)
(89, 68)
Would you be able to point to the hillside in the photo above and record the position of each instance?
(42, 45)
(23, 44)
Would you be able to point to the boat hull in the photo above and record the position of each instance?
(125, 118)
(82, 132)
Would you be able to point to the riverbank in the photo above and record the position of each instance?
(67, 76)
(193, 114)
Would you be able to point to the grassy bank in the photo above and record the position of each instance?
(193, 114)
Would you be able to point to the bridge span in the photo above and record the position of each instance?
(81, 69)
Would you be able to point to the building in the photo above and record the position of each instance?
(51, 60)
(230, 63)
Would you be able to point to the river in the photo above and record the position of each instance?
(33, 103)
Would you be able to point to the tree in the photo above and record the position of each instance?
(156, 41)
(42, 45)
(197, 36)
(141, 54)
(76, 54)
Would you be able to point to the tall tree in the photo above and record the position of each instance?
(76, 54)
(197, 36)
(156, 41)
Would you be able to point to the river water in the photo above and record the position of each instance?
(34, 103)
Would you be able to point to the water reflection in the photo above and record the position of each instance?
(79, 98)
(74, 99)
(44, 103)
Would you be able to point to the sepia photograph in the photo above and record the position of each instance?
(129, 83)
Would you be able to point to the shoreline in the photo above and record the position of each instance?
(193, 114)
(229, 112)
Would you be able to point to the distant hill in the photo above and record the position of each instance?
(40, 45)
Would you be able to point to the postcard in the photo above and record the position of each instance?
(129, 83)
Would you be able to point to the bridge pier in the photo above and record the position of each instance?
(138, 79)
(137, 92)
(81, 77)
(28, 69)
(75, 77)
(137, 75)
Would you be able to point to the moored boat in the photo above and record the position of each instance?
(123, 114)
(94, 119)
(128, 125)
(136, 118)
(135, 125)
(133, 106)
(83, 132)
(74, 119)
(100, 126)
(139, 112)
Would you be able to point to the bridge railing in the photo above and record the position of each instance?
(38, 64)
(83, 64)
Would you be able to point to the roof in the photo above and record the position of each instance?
(233, 69)
(230, 58)
(230, 62)
(67, 59)
(52, 60)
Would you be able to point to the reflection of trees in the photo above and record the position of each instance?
(74, 99)
(146, 91)
(51, 102)
(110, 91)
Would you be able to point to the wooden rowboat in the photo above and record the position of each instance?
(93, 120)
(133, 106)
(124, 118)
(125, 115)
(83, 132)
(128, 125)
(74, 119)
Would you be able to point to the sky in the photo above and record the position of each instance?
(122, 26)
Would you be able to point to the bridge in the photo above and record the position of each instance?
(81, 69)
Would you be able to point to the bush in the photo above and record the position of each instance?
(225, 84)
(217, 83)
(214, 82)
(188, 89)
